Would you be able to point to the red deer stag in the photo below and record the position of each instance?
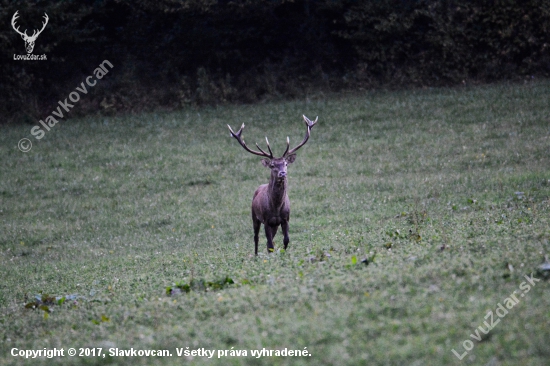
(270, 204)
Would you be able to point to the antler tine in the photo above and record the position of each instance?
(287, 146)
(310, 125)
(231, 130)
(269, 147)
(238, 137)
(263, 152)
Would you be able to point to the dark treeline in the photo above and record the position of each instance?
(170, 53)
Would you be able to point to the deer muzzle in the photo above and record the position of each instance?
(281, 176)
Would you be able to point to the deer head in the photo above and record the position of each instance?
(29, 40)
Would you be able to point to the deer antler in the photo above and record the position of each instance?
(35, 34)
(308, 132)
(43, 26)
(237, 135)
(13, 19)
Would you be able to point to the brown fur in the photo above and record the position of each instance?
(270, 205)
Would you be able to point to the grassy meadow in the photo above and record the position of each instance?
(135, 232)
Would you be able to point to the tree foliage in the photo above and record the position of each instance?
(170, 53)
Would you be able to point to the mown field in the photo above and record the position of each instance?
(135, 232)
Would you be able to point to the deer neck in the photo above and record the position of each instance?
(277, 191)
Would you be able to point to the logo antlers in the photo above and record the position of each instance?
(29, 40)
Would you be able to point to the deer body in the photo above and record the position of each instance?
(270, 204)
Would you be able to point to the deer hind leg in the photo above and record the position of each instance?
(256, 223)
(286, 239)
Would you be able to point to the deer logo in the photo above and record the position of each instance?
(271, 205)
(29, 40)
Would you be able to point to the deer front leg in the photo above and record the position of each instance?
(256, 223)
(269, 233)
(286, 239)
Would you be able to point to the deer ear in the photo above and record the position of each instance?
(266, 162)
(290, 159)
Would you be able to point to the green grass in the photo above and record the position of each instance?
(422, 183)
